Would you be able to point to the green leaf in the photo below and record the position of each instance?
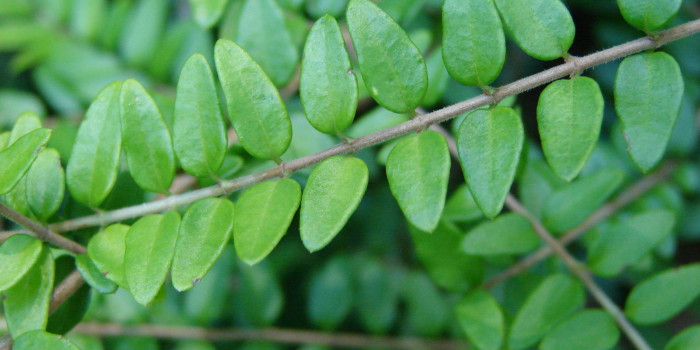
(204, 232)
(328, 87)
(42, 340)
(16, 159)
(612, 251)
(460, 207)
(259, 295)
(481, 319)
(207, 12)
(569, 116)
(94, 161)
(427, 312)
(664, 295)
(377, 296)
(263, 215)
(689, 339)
(93, 276)
(147, 142)
(570, 205)
(489, 144)
(262, 32)
(143, 30)
(318, 8)
(557, 297)
(587, 330)
(438, 77)
(331, 294)
(254, 105)
(474, 46)
(544, 29)
(150, 245)
(509, 233)
(333, 192)
(418, 169)
(45, 184)
(392, 66)
(4, 140)
(648, 92)
(26, 304)
(26, 122)
(202, 304)
(199, 131)
(17, 255)
(106, 249)
(648, 15)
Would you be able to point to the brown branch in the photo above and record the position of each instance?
(42, 232)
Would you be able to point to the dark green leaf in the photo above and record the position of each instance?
(508, 234)
(331, 294)
(263, 215)
(418, 169)
(199, 131)
(489, 144)
(482, 319)
(587, 330)
(93, 276)
(392, 66)
(17, 255)
(569, 116)
(204, 232)
(377, 296)
(41, 340)
(474, 46)
(328, 87)
(438, 77)
(106, 249)
(460, 207)
(254, 105)
(207, 12)
(259, 295)
(648, 92)
(45, 184)
(332, 193)
(544, 29)
(147, 142)
(16, 159)
(94, 161)
(689, 339)
(202, 303)
(427, 312)
(648, 15)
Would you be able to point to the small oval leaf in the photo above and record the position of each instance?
(648, 15)
(199, 131)
(482, 320)
(648, 92)
(254, 104)
(204, 232)
(147, 142)
(41, 340)
(333, 192)
(689, 339)
(544, 29)
(16, 159)
(509, 233)
(392, 67)
(569, 116)
(26, 122)
(418, 169)
(17, 255)
(489, 144)
(328, 87)
(331, 294)
(93, 276)
(263, 214)
(106, 249)
(474, 46)
(207, 12)
(45, 184)
(587, 330)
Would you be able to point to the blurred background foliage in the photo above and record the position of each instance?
(378, 276)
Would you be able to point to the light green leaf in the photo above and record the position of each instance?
(26, 304)
(392, 67)
(42, 340)
(263, 214)
(17, 255)
(438, 77)
(489, 142)
(150, 245)
(199, 131)
(16, 159)
(509, 233)
(147, 142)
(544, 29)
(328, 87)
(648, 15)
(94, 161)
(333, 192)
(93, 276)
(26, 122)
(553, 301)
(204, 232)
(460, 207)
(377, 119)
(4, 140)
(689, 339)
(474, 46)
(142, 31)
(418, 169)
(45, 184)
(254, 104)
(482, 320)
(106, 249)
(262, 32)
(571, 204)
(318, 8)
(612, 251)
(648, 92)
(87, 18)
(662, 296)
(569, 116)
(207, 12)
(587, 330)
(331, 294)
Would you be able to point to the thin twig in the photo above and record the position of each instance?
(580, 271)
(412, 125)
(42, 232)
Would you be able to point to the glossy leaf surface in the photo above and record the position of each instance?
(648, 15)
(482, 320)
(93, 276)
(587, 330)
(106, 249)
(509, 233)
(16, 159)
(17, 255)
(45, 183)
